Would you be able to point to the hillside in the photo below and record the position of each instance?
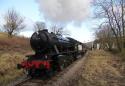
(12, 51)
(14, 44)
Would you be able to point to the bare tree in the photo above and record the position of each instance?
(39, 26)
(113, 12)
(13, 22)
(59, 31)
(105, 37)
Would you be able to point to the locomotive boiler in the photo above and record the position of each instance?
(52, 53)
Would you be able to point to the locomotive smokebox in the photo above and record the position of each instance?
(42, 40)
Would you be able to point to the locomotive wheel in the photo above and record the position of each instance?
(39, 73)
(28, 72)
(63, 62)
(49, 73)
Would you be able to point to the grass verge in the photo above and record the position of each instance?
(103, 69)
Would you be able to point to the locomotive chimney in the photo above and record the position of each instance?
(46, 30)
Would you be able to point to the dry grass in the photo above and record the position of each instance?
(122, 54)
(8, 70)
(102, 69)
(12, 52)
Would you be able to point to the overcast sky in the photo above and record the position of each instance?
(76, 16)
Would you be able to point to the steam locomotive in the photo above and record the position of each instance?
(52, 53)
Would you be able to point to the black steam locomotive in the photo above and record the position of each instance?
(52, 53)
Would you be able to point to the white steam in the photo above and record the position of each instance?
(65, 10)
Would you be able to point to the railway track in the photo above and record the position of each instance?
(31, 82)
(21, 82)
(28, 81)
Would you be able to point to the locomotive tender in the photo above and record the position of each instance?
(52, 53)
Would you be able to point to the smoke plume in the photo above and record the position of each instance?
(65, 10)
